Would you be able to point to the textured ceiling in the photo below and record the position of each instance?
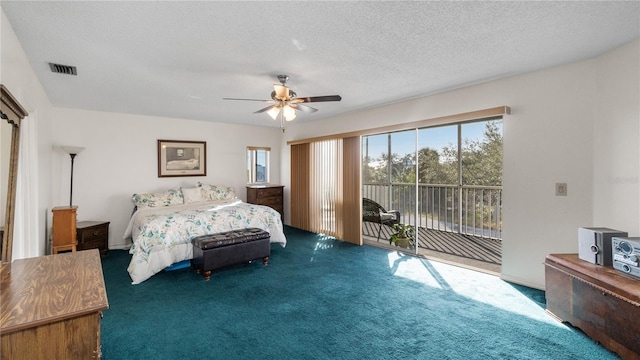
(179, 59)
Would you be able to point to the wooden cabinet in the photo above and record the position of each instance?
(269, 195)
(602, 302)
(93, 235)
(64, 228)
(51, 306)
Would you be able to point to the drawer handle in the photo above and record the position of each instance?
(95, 233)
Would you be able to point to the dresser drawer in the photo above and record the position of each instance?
(269, 192)
(269, 201)
(93, 235)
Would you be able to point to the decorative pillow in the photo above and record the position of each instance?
(216, 192)
(192, 195)
(171, 197)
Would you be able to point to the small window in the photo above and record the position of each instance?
(258, 164)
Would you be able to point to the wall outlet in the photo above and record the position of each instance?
(561, 189)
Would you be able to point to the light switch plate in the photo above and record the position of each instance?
(561, 189)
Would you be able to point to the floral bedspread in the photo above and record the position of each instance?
(162, 236)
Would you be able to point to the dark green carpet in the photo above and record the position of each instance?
(324, 299)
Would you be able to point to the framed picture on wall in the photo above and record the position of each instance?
(182, 158)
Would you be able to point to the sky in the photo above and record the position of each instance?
(435, 138)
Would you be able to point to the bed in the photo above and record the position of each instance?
(162, 226)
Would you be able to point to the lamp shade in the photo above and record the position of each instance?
(289, 113)
(72, 150)
(273, 112)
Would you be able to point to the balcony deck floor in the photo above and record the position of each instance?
(474, 252)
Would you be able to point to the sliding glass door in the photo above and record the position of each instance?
(389, 183)
(438, 177)
(481, 179)
(446, 178)
(403, 188)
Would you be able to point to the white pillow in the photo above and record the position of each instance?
(192, 195)
(216, 192)
(171, 197)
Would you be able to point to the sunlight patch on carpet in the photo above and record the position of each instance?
(324, 243)
(468, 283)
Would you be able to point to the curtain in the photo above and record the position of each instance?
(27, 239)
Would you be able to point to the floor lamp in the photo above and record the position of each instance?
(73, 151)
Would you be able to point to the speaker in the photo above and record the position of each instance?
(594, 244)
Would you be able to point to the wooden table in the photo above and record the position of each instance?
(600, 300)
(50, 306)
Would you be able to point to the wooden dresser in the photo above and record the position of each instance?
(269, 195)
(601, 301)
(93, 235)
(51, 307)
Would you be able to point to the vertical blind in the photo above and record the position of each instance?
(325, 193)
(300, 165)
(325, 190)
(352, 196)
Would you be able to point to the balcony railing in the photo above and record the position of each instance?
(471, 210)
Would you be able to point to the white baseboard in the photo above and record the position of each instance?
(521, 281)
(119, 246)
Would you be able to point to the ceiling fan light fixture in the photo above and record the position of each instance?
(289, 113)
(273, 112)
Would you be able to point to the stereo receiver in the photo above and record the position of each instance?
(626, 255)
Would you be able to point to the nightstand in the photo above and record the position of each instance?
(269, 195)
(93, 235)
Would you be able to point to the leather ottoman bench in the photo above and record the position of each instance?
(215, 251)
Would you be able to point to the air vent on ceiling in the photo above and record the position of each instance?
(63, 69)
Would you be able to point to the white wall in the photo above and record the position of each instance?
(17, 75)
(121, 158)
(617, 141)
(548, 138)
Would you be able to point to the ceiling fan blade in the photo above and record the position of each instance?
(305, 108)
(265, 109)
(320, 98)
(248, 99)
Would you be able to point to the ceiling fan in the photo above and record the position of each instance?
(285, 102)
